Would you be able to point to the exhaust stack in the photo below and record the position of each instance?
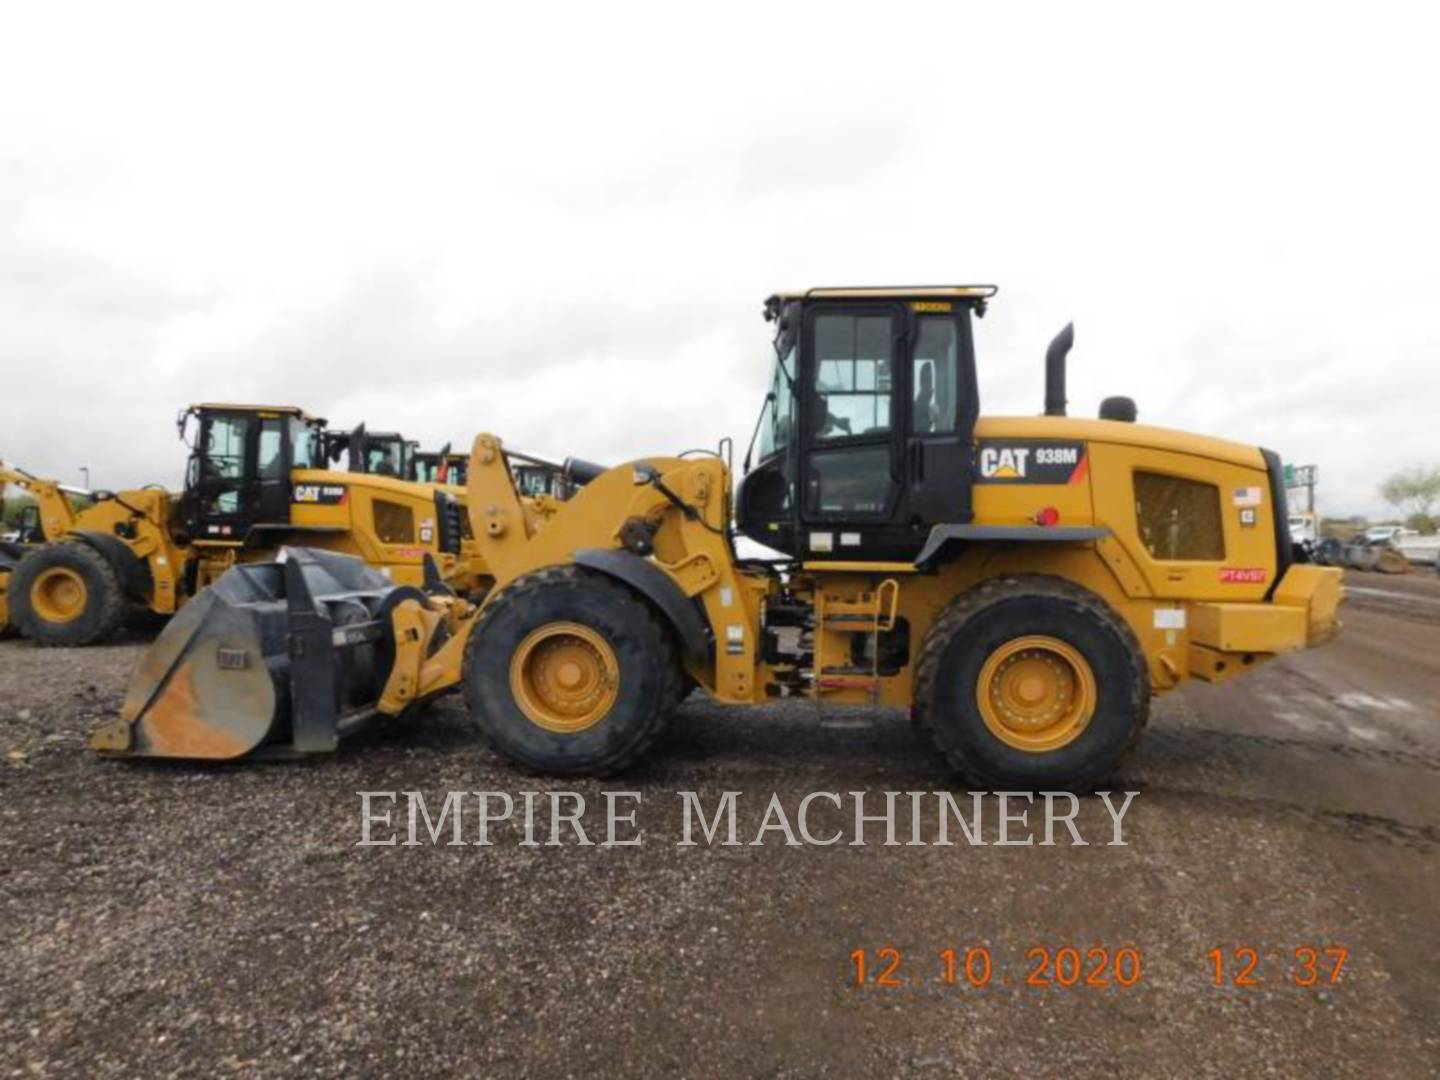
(1055, 370)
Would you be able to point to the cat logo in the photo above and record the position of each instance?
(1030, 461)
(319, 494)
(1003, 462)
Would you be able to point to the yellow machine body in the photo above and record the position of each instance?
(1206, 618)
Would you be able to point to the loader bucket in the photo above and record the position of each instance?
(274, 659)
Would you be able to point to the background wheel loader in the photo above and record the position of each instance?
(439, 466)
(535, 477)
(256, 480)
(1024, 585)
(378, 453)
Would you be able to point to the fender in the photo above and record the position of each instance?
(656, 586)
(133, 571)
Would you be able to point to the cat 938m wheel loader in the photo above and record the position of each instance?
(1024, 585)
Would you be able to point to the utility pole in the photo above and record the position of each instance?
(85, 469)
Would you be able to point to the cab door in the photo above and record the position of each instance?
(271, 498)
(217, 484)
(850, 477)
(942, 404)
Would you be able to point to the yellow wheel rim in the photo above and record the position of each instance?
(1036, 693)
(565, 677)
(58, 595)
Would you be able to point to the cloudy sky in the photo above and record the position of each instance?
(559, 224)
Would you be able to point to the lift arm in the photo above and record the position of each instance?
(57, 516)
(667, 517)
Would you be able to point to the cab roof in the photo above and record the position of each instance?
(282, 410)
(889, 292)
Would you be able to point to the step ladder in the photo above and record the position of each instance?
(837, 621)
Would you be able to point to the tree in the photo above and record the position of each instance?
(1415, 490)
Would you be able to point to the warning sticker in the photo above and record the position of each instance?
(1169, 618)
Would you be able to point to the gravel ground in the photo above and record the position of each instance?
(179, 920)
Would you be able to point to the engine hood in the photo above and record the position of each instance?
(1115, 431)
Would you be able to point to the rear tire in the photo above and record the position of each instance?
(568, 672)
(66, 594)
(1031, 683)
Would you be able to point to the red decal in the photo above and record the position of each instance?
(1239, 575)
(1081, 470)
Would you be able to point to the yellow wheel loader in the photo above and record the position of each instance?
(535, 477)
(1024, 585)
(256, 480)
(439, 466)
(380, 453)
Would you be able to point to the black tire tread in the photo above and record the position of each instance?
(109, 616)
(992, 591)
(650, 626)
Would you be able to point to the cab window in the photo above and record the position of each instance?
(1179, 519)
(382, 460)
(225, 447)
(934, 377)
(302, 443)
(852, 374)
(271, 454)
(778, 428)
(222, 459)
(852, 482)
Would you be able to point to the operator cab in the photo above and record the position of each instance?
(238, 476)
(533, 480)
(439, 467)
(866, 437)
(378, 453)
(28, 530)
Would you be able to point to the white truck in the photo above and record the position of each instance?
(1305, 529)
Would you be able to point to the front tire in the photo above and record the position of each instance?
(569, 673)
(66, 594)
(1032, 683)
